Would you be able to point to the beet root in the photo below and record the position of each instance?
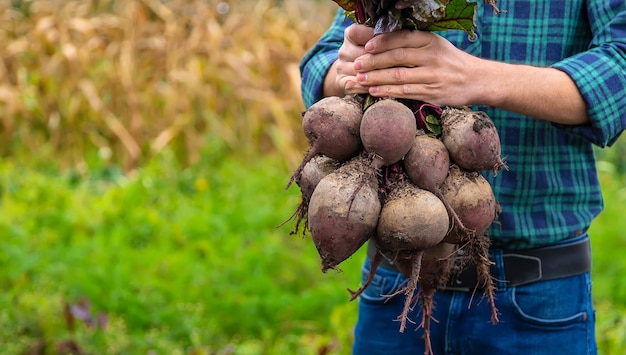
(411, 218)
(331, 126)
(437, 266)
(427, 162)
(316, 169)
(411, 221)
(374, 263)
(343, 212)
(313, 172)
(471, 197)
(387, 131)
(472, 139)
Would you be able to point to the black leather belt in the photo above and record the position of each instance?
(524, 266)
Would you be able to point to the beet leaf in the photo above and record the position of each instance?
(427, 15)
(459, 15)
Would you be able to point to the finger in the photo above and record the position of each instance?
(419, 92)
(358, 34)
(396, 76)
(345, 68)
(398, 39)
(353, 87)
(398, 57)
(348, 54)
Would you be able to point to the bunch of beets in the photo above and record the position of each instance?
(405, 175)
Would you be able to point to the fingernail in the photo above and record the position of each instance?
(369, 46)
(361, 77)
(350, 85)
(373, 89)
(358, 65)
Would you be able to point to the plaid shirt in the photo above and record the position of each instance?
(551, 190)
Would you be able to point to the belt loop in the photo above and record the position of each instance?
(498, 269)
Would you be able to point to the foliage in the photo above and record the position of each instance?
(433, 15)
(609, 266)
(128, 78)
(175, 259)
(192, 260)
(614, 157)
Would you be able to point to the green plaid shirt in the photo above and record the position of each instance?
(551, 190)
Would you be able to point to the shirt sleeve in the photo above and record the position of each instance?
(316, 62)
(600, 73)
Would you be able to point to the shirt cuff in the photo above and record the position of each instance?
(314, 74)
(599, 76)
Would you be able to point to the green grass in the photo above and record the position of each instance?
(178, 259)
(608, 235)
(192, 261)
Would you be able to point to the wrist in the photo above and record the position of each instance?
(488, 83)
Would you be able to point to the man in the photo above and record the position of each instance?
(552, 76)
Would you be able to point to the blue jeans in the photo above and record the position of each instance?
(545, 317)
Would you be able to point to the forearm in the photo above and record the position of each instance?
(545, 93)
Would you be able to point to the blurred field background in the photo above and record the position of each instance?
(144, 150)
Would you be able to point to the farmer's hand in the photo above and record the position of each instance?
(417, 65)
(341, 78)
(424, 66)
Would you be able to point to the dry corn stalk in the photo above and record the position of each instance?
(135, 77)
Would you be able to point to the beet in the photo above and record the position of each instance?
(343, 211)
(331, 126)
(471, 197)
(472, 139)
(387, 131)
(314, 171)
(411, 221)
(427, 162)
